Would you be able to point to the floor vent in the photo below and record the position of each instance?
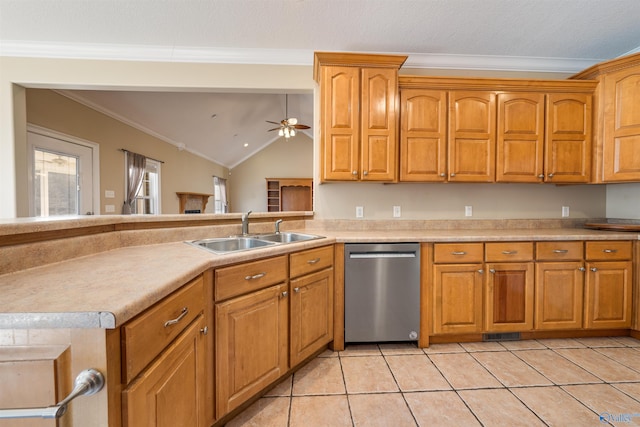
(505, 336)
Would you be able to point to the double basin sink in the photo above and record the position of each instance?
(224, 245)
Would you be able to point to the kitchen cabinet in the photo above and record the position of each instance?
(509, 286)
(423, 135)
(559, 287)
(617, 119)
(311, 308)
(252, 329)
(358, 116)
(608, 285)
(289, 194)
(165, 353)
(457, 288)
(472, 136)
(495, 130)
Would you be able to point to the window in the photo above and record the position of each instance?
(147, 201)
(220, 195)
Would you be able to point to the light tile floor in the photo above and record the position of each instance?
(561, 382)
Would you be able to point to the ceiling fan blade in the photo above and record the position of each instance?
(302, 127)
(275, 123)
(274, 129)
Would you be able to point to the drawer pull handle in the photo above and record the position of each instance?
(560, 251)
(509, 252)
(458, 253)
(184, 312)
(255, 276)
(296, 290)
(313, 261)
(609, 251)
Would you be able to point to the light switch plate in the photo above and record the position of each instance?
(396, 212)
(109, 194)
(565, 211)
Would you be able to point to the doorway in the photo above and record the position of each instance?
(63, 174)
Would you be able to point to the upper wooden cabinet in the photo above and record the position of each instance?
(617, 119)
(358, 116)
(486, 130)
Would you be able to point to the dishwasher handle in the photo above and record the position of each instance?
(378, 255)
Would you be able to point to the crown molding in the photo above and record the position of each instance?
(281, 56)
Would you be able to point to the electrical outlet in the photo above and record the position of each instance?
(396, 212)
(109, 194)
(468, 211)
(565, 211)
(359, 212)
(109, 208)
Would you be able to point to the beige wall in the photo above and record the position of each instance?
(181, 170)
(280, 159)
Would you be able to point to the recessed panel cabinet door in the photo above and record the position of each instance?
(251, 344)
(340, 127)
(423, 132)
(608, 295)
(457, 299)
(509, 300)
(568, 137)
(559, 295)
(520, 137)
(472, 136)
(621, 138)
(379, 125)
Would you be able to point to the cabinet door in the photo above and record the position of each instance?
(559, 293)
(379, 124)
(608, 295)
(520, 137)
(311, 314)
(172, 387)
(251, 345)
(472, 136)
(423, 133)
(457, 298)
(568, 138)
(621, 136)
(509, 301)
(340, 123)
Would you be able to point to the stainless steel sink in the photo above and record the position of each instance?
(231, 244)
(286, 237)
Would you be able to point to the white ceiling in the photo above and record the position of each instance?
(533, 35)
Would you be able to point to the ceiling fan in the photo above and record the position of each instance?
(287, 126)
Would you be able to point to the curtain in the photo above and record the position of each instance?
(220, 195)
(136, 164)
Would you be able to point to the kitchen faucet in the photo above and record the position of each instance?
(245, 223)
(278, 222)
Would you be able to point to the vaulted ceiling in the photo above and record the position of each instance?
(522, 35)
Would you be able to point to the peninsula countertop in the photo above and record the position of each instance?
(107, 289)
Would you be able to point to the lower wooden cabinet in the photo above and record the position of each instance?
(251, 344)
(311, 314)
(608, 295)
(457, 298)
(509, 299)
(172, 389)
(559, 295)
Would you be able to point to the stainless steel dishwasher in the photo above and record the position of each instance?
(382, 292)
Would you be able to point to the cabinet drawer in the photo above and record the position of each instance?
(454, 253)
(608, 250)
(311, 260)
(509, 251)
(559, 251)
(148, 334)
(251, 276)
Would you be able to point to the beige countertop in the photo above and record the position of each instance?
(107, 289)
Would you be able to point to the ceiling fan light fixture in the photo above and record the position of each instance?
(292, 121)
(281, 132)
(292, 132)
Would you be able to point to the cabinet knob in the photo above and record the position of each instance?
(296, 290)
(491, 270)
(365, 173)
(204, 330)
(593, 269)
(354, 173)
(443, 174)
(481, 271)
(453, 174)
(284, 294)
(550, 175)
(582, 269)
(541, 176)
